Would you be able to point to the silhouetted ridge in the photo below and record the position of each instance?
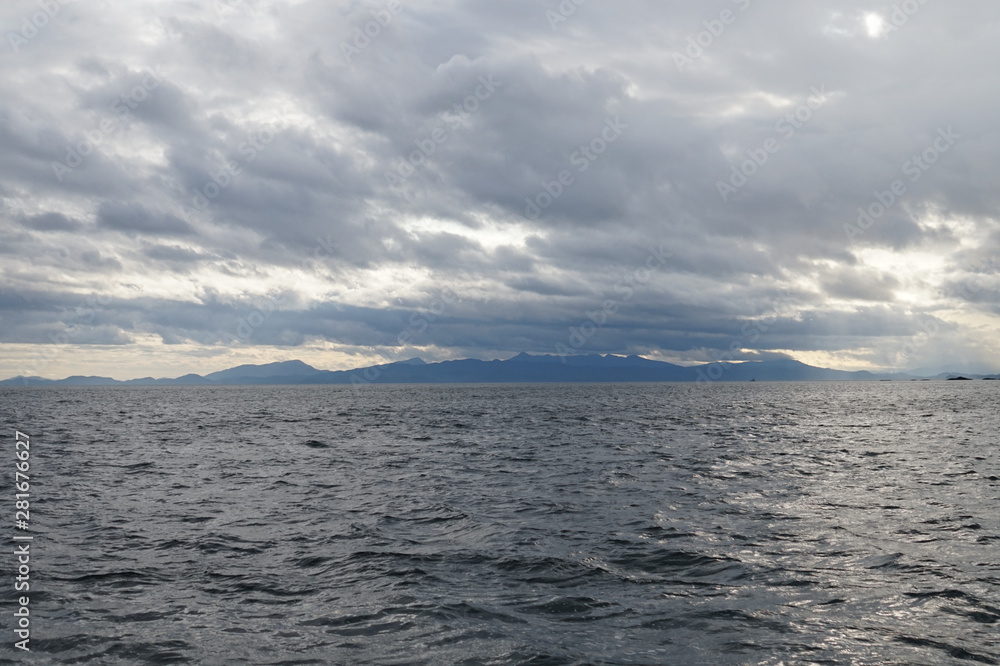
(522, 368)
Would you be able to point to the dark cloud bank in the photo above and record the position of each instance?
(184, 185)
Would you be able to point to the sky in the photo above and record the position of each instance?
(189, 186)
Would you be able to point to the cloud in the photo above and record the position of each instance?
(202, 163)
(134, 218)
(52, 222)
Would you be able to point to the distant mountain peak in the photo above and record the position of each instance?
(523, 367)
(278, 369)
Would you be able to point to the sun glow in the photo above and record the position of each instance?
(874, 25)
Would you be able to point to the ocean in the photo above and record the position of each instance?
(754, 523)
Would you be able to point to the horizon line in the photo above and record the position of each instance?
(702, 364)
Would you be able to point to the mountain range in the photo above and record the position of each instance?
(524, 368)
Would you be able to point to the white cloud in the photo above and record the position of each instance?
(308, 213)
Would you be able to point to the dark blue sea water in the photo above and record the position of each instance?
(828, 523)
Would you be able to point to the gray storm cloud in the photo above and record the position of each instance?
(269, 178)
